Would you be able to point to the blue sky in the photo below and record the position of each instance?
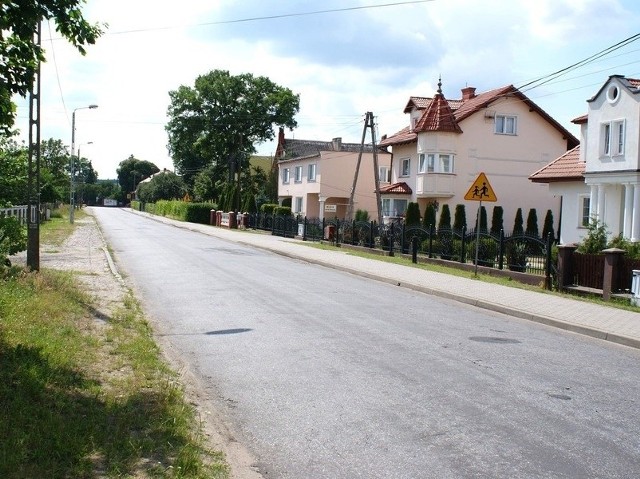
(369, 55)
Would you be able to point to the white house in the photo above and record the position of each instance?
(604, 183)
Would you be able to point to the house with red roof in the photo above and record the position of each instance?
(600, 179)
(448, 143)
(316, 177)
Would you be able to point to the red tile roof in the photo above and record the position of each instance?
(567, 167)
(465, 108)
(438, 117)
(396, 189)
(580, 119)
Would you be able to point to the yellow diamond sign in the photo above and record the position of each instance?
(481, 190)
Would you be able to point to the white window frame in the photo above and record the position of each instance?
(297, 204)
(502, 126)
(422, 163)
(431, 163)
(613, 138)
(405, 167)
(384, 174)
(286, 176)
(584, 208)
(298, 174)
(446, 163)
(311, 172)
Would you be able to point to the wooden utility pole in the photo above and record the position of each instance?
(368, 123)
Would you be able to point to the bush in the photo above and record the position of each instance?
(282, 211)
(268, 208)
(362, 215)
(459, 218)
(632, 249)
(13, 238)
(518, 223)
(429, 216)
(199, 212)
(412, 215)
(596, 239)
(517, 256)
(497, 223)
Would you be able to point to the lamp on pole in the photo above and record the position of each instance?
(71, 160)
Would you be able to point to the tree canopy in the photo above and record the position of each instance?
(218, 121)
(20, 54)
(132, 171)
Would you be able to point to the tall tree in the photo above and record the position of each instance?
(132, 171)
(218, 120)
(497, 221)
(20, 54)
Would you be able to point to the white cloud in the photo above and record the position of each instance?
(342, 64)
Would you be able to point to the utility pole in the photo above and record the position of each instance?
(368, 123)
(33, 210)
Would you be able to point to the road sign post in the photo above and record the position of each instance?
(480, 190)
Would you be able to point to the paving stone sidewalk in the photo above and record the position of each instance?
(596, 320)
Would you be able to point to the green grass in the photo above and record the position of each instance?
(58, 228)
(85, 398)
(504, 281)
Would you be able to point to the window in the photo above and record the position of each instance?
(298, 174)
(391, 207)
(298, 204)
(285, 176)
(422, 163)
(505, 125)
(405, 167)
(311, 172)
(384, 174)
(585, 204)
(613, 138)
(620, 137)
(446, 164)
(431, 163)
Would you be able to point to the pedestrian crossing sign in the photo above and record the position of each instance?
(481, 190)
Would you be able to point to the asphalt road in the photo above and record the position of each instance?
(330, 375)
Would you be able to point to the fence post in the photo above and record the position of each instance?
(414, 249)
(612, 259)
(391, 239)
(565, 265)
(304, 229)
(547, 264)
(463, 251)
(337, 231)
(430, 241)
(371, 240)
(501, 250)
(402, 235)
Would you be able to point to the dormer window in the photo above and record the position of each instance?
(613, 138)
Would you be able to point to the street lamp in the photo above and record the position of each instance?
(71, 161)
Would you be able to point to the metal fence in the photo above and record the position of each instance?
(522, 252)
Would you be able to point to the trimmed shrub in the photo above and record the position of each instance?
(459, 218)
(517, 225)
(429, 216)
(268, 208)
(548, 227)
(445, 218)
(282, 211)
(483, 219)
(412, 215)
(199, 212)
(362, 215)
(532, 223)
(497, 221)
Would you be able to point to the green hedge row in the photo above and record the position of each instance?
(180, 210)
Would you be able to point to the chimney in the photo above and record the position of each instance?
(468, 93)
(336, 143)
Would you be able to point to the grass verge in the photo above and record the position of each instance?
(84, 397)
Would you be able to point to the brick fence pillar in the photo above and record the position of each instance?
(565, 265)
(612, 260)
(213, 217)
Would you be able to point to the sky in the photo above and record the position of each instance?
(343, 57)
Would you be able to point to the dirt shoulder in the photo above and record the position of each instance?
(85, 252)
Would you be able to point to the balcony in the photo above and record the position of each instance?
(434, 184)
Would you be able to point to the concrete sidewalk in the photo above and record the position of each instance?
(603, 322)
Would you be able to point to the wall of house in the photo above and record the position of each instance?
(507, 161)
(571, 230)
(334, 179)
(603, 110)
